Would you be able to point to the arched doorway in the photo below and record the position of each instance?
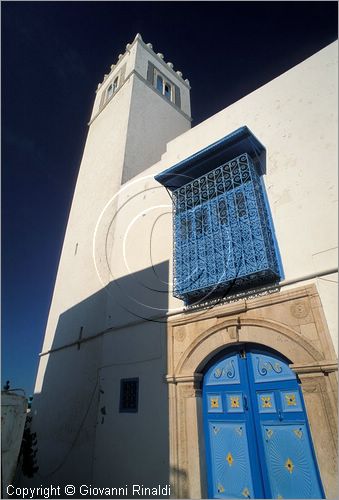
(258, 442)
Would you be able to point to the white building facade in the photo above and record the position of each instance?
(124, 393)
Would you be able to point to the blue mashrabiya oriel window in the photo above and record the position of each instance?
(224, 238)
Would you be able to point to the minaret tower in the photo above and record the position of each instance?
(141, 105)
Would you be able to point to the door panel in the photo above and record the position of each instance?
(267, 369)
(231, 469)
(257, 435)
(291, 470)
(290, 401)
(226, 372)
(266, 402)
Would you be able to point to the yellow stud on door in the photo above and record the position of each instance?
(246, 493)
(298, 433)
(290, 399)
(289, 465)
(220, 488)
(229, 459)
(214, 403)
(235, 402)
(266, 402)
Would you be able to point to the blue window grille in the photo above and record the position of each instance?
(223, 234)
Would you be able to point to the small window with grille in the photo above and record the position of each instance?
(115, 84)
(112, 88)
(109, 91)
(129, 395)
(163, 85)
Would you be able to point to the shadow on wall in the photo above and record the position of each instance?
(83, 437)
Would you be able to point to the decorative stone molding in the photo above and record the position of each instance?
(321, 403)
(299, 310)
(233, 332)
(196, 378)
(180, 335)
(324, 366)
(206, 345)
(276, 321)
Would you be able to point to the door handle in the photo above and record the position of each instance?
(280, 415)
(245, 402)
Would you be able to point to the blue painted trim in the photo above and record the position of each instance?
(222, 233)
(232, 145)
(254, 420)
(288, 417)
(222, 223)
(215, 396)
(241, 417)
(270, 397)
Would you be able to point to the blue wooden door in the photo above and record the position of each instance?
(257, 437)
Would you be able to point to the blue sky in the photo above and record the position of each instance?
(53, 56)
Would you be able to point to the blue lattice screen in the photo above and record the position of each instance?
(223, 238)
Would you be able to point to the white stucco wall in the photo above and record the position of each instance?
(126, 131)
(141, 438)
(159, 122)
(120, 275)
(13, 419)
(295, 117)
(123, 137)
(98, 179)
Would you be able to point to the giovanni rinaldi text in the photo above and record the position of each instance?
(128, 491)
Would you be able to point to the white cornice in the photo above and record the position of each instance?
(149, 48)
(134, 72)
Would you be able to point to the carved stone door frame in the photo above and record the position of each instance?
(190, 347)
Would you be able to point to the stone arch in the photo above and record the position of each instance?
(312, 360)
(233, 331)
